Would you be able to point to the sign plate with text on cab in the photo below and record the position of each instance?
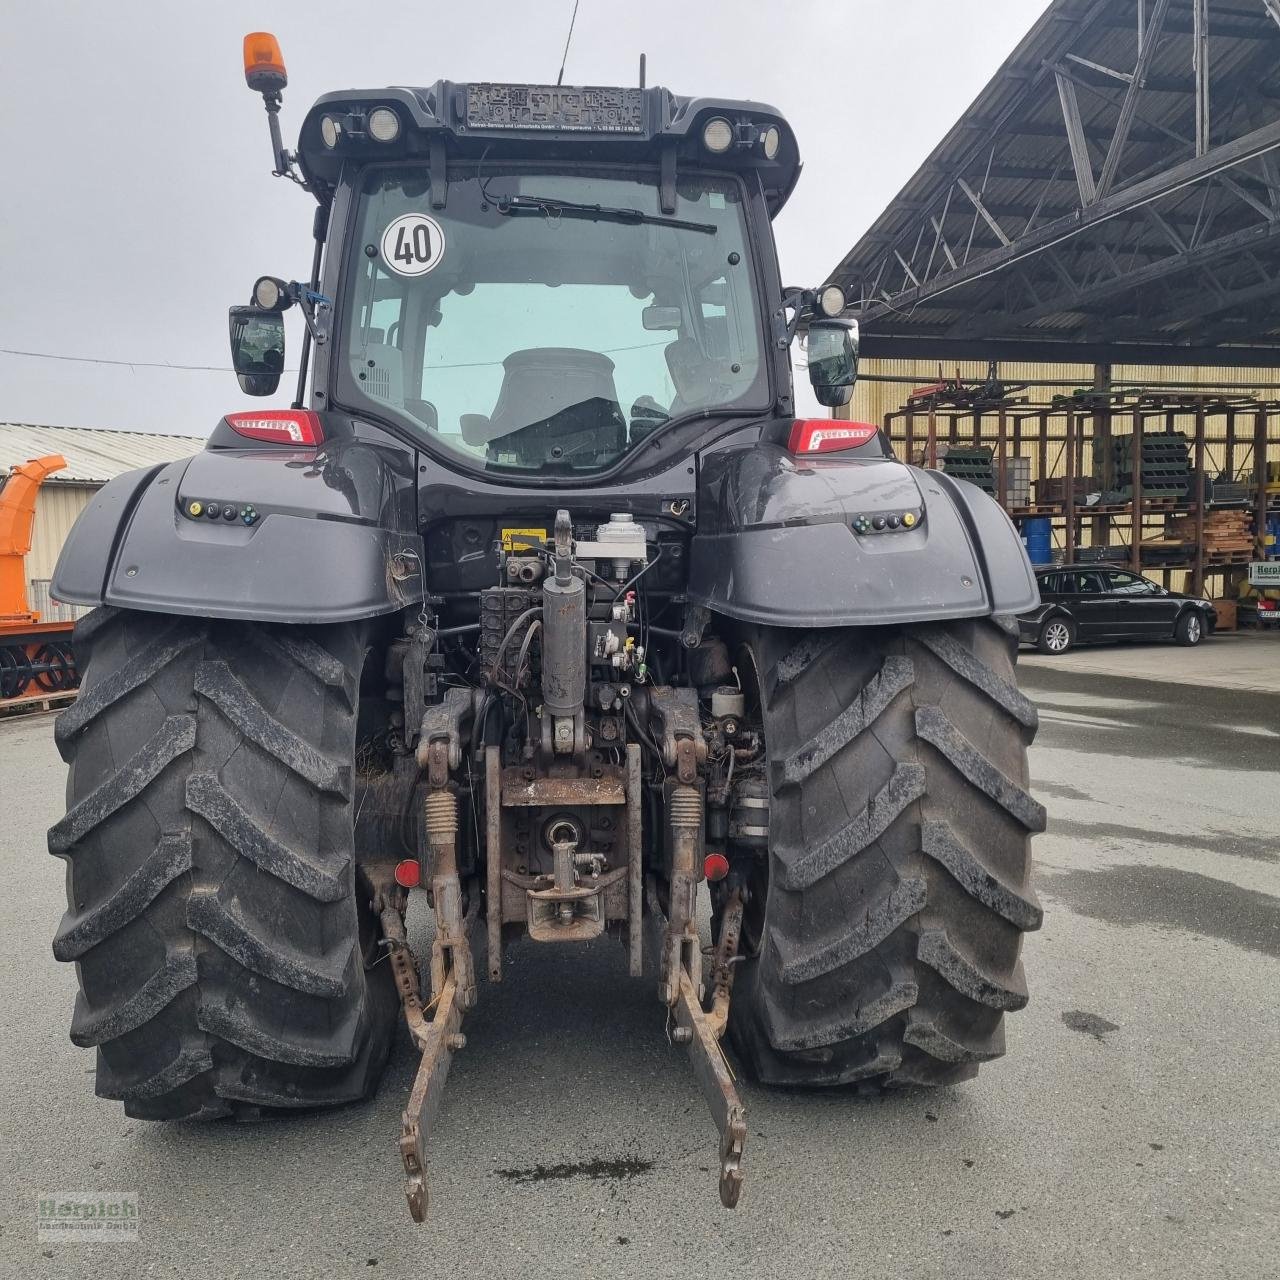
(537, 106)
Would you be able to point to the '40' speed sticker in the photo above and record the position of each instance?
(412, 245)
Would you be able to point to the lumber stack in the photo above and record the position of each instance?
(1225, 532)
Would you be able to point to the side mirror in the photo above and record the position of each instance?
(257, 349)
(833, 360)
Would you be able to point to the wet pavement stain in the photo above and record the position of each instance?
(596, 1170)
(1059, 790)
(1170, 899)
(1177, 721)
(1214, 841)
(1090, 1024)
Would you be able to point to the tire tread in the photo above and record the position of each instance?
(212, 902)
(899, 868)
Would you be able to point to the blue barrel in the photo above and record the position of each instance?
(1037, 536)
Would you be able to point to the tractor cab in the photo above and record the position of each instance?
(541, 280)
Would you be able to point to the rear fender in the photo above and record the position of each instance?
(334, 539)
(776, 544)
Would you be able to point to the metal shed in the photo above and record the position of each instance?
(94, 456)
(1111, 196)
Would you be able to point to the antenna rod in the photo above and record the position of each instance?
(642, 70)
(567, 40)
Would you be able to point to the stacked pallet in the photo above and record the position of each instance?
(971, 463)
(1165, 466)
(1226, 533)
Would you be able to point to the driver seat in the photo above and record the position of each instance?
(552, 396)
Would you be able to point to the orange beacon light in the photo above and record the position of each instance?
(264, 63)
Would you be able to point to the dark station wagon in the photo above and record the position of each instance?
(1079, 603)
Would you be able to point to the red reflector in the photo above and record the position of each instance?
(826, 435)
(715, 866)
(280, 426)
(408, 873)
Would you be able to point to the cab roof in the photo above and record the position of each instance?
(450, 121)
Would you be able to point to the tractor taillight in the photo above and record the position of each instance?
(279, 426)
(827, 435)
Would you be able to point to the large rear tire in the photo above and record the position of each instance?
(898, 887)
(214, 917)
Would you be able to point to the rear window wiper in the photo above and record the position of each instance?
(555, 208)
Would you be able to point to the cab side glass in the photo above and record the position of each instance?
(257, 349)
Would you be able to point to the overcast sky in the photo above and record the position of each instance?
(139, 203)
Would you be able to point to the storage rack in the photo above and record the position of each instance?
(1227, 432)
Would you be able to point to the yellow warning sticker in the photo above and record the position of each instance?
(523, 539)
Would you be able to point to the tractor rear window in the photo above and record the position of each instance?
(550, 322)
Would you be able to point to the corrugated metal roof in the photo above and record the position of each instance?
(94, 455)
(994, 237)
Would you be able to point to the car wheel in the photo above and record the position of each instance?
(1190, 628)
(1056, 636)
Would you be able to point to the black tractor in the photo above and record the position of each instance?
(540, 600)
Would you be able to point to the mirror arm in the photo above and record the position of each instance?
(319, 229)
(784, 326)
(315, 308)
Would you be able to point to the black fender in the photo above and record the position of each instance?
(776, 543)
(334, 537)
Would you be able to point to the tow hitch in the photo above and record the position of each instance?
(438, 1039)
(701, 1031)
(593, 819)
(436, 1024)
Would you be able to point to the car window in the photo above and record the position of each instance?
(1090, 583)
(1054, 584)
(1129, 584)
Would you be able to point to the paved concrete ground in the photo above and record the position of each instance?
(1233, 660)
(1134, 1128)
